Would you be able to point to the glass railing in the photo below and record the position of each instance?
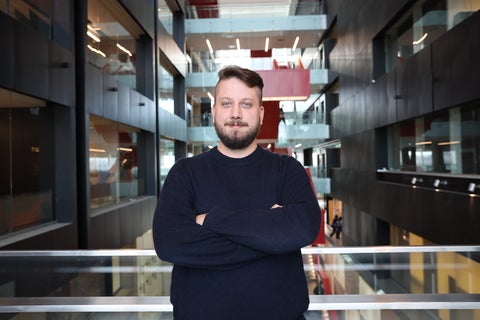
(289, 118)
(424, 282)
(285, 58)
(270, 9)
(34, 14)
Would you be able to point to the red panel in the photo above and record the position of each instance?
(321, 233)
(205, 8)
(269, 131)
(260, 53)
(283, 83)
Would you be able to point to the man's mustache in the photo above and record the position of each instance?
(236, 123)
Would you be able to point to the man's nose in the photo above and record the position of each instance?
(236, 111)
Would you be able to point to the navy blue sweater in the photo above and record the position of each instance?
(244, 262)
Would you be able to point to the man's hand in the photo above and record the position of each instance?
(200, 218)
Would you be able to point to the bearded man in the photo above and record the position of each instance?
(233, 219)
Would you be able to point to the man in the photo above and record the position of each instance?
(233, 219)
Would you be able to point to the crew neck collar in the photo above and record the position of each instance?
(226, 160)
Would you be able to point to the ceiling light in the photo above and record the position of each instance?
(238, 44)
(295, 43)
(423, 142)
(267, 40)
(119, 46)
(448, 143)
(209, 45)
(421, 39)
(93, 36)
(210, 96)
(97, 150)
(96, 51)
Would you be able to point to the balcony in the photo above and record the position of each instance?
(426, 282)
(307, 127)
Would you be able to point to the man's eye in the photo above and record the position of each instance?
(246, 105)
(226, 104)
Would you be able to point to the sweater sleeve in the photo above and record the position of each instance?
(180, 240)
(274, 231)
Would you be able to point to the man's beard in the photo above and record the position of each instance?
(237, 140)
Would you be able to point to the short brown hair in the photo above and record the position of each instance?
(251, 78)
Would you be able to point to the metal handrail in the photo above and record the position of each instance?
(317, 303)
(306, 250)
(427, 301)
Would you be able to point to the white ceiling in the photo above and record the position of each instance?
(261, 9)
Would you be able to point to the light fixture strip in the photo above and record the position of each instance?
(209, 45)
(119, 46)
(421, 39)
(96, 51)
(447, 143)
(267, 42)
(238, 44)
(93, 36)
(210, 96)
(295, 43)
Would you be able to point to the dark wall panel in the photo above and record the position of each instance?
(97, 232)
(443, 75)
(380, 98)
(134, 106)
(7, 54)
(62, 75)
(65, 161)
(142, 10)
(93, 90)
(123, 103)
(358, 23)
(31, 62)
(456, 66)
(126, 225)
(112, 231)
(110, 98)
(414, 86)
(144, 114)
(433, 215)
(119, 227)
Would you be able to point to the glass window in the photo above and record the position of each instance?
(426, 21)
(167, 157)
(111, 40)
(447, 142)
(165, 90)
(26, 165)
(36, 14)
(52, 18)
(419, 27)
(114, 173)
(165, 16)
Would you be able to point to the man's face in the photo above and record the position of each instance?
(237, 114)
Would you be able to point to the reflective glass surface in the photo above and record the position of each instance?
(446, 142)
(26, 165)
(344, 283)
(111, 41)
(113, 162)
(424, 22)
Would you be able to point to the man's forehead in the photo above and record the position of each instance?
(224, 89)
